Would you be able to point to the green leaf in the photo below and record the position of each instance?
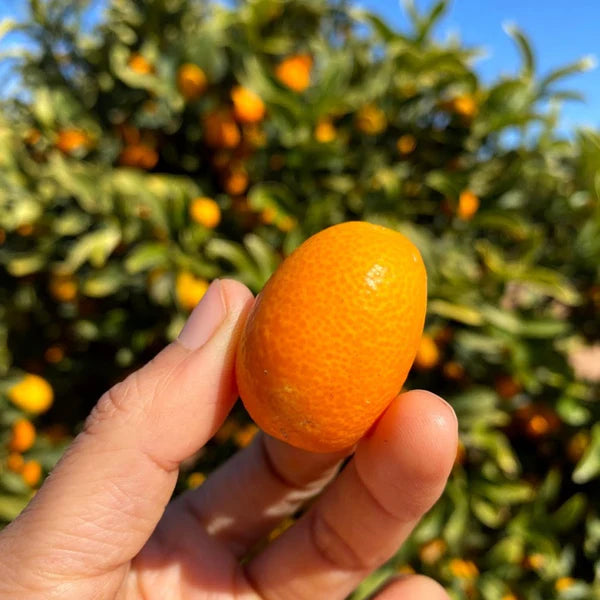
(71, 223)
(573, 411)
(13, 483)
(103, 282)
(588, 467)
(509, 549)
(457, 312)
(94, 247)
(383, 29)
(11, 506)
(570, 513)
(263, 255)
(6, 26)
(235, 254)
(25, 264)
(524, 47)
(499, 448)
(456, 526)
(146, 256)
(550, 487)
(43, 108)
(505, 493)
(529, 328)
(580, 66)
(488, 512)
(427, 23)
(447, 184)
(276, 196)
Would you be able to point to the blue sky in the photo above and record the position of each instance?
(560, 32)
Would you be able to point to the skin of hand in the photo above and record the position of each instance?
(101, 526)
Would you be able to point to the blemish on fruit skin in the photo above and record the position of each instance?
(375, 275)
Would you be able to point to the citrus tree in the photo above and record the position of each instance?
(177, 141)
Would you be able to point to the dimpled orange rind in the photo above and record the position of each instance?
(332, 336)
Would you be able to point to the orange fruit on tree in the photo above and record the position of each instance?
(31, 472)
(140, 65)
(138, 155)
(25, 230)
(325, 131)
(248, 106)
(330, 339)
(205, 211)
(189, 289)
(370, 119)
(14, 462)
(428, 354)
(71, 140)
(406, 144)
(32, 394)
(294, 71)
(268, 215)
(63, 288)
(468, 205)
(236, 181)
(23, 435)
(32, 137)
(54, 354)
(465, 106)
(220, 130)
(191, 81)
(286, 223)
(195, 480)
(432, 551)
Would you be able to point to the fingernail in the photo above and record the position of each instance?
(205, 318)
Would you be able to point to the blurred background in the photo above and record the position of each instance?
(150, 146)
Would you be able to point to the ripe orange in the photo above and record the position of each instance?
(332, 336)
(428, 354)
(236, 181)
(325, 131)
(31, 472)
(32, 394)
(138, 155)
(220, 130)
(465, 106)
(406, 144)
(63, 288)
(189, 289)
(294, 72)
(23, 436)
(191, 81)
(370, 119)
(71, 140)
(248, 106)
(15, 462)
(468, 204)
(140, 65)
(205, 211)
(432, 551)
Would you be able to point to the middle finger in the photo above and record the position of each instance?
(250, 494)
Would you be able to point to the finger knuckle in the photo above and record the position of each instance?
(115, 404)
(333, 548)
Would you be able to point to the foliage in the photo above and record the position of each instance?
(107, 148)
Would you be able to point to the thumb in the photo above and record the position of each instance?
(104, 498)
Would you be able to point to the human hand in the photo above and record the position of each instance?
(98, 527)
